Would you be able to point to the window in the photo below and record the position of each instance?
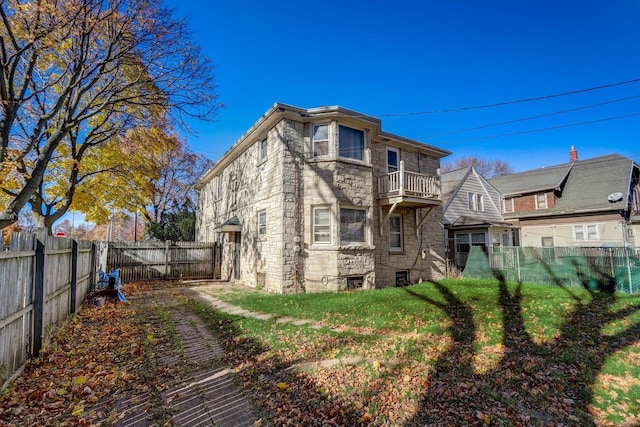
(351, 142)
(402, 278)
(352, 225)
(508, 205)
(322, 225)
(477, 239)
(541, 201)
(218, 187)
(547, 242)
(476, 202)
(393, 160)
(262, 150)
(262, 223)
(355, 282)
(585, 232)
(395, 233)
(320, 140)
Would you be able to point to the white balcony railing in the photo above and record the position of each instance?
(411, 184)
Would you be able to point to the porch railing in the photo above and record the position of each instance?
(412, 184)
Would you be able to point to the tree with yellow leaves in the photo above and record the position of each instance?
(75, 77)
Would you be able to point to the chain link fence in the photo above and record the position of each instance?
(596, 268)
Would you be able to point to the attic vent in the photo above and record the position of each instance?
(614, 197)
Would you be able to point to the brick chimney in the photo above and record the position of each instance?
(573, 154)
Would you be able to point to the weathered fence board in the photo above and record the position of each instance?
(42, 280)
(163, 260)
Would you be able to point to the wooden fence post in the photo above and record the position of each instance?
(167, 259)
(38, 291)
(74, 275)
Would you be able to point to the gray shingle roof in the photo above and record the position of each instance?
(588, 184)
(531, 181)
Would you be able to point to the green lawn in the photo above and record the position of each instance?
(457, 351)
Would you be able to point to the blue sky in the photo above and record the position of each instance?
(392, 59)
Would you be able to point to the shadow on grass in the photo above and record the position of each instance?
(549, 383)
(283, 396)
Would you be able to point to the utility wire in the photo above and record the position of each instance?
(530, 117)
(542, 129)
(516, 101)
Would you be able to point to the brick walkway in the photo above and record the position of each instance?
(203, 392)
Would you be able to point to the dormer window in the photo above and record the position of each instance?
(541, 201)
(508, 205)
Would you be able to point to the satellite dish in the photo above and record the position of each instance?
(614, 197)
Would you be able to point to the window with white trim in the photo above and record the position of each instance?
(585, 232)
(395, 233)
(263, 147)
(262, 222)
(508, 205)
(541, 201)
(351, 143)
(322, 225)
(353, 224)
(320, 140)
(476, 202)
(547, 242)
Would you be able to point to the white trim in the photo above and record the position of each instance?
(313, 225)
(396, 233)
(261, 225)
(328, 141)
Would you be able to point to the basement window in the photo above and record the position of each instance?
(355, 282)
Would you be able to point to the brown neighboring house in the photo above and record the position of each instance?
(593, 202)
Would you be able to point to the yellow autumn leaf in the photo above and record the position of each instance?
(79, 380)
(77, 410)
(282, 386)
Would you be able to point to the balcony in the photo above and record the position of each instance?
(409, 189)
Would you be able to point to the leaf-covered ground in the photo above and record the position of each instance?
(454, 353)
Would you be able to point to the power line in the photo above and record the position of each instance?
(540, 130)
(530, 117)
(516, 101)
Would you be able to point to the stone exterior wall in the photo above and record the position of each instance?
(248, 187)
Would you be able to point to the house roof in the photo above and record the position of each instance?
(537, 180)
(279, 111)
(586, 189)
(449, 181)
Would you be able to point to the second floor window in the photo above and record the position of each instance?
(476, 202)
(508, 205)
(541, 201)
(351, 142)
(263, 150)
(320, 140)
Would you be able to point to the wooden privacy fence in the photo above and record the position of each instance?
(42, 280)
(163, 260)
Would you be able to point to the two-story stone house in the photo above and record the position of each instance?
(323, 199)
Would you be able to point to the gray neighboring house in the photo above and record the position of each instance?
(472, 215)
(322, 199)
(593, 202)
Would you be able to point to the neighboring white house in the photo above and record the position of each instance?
(322, 199)
(472, 215)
